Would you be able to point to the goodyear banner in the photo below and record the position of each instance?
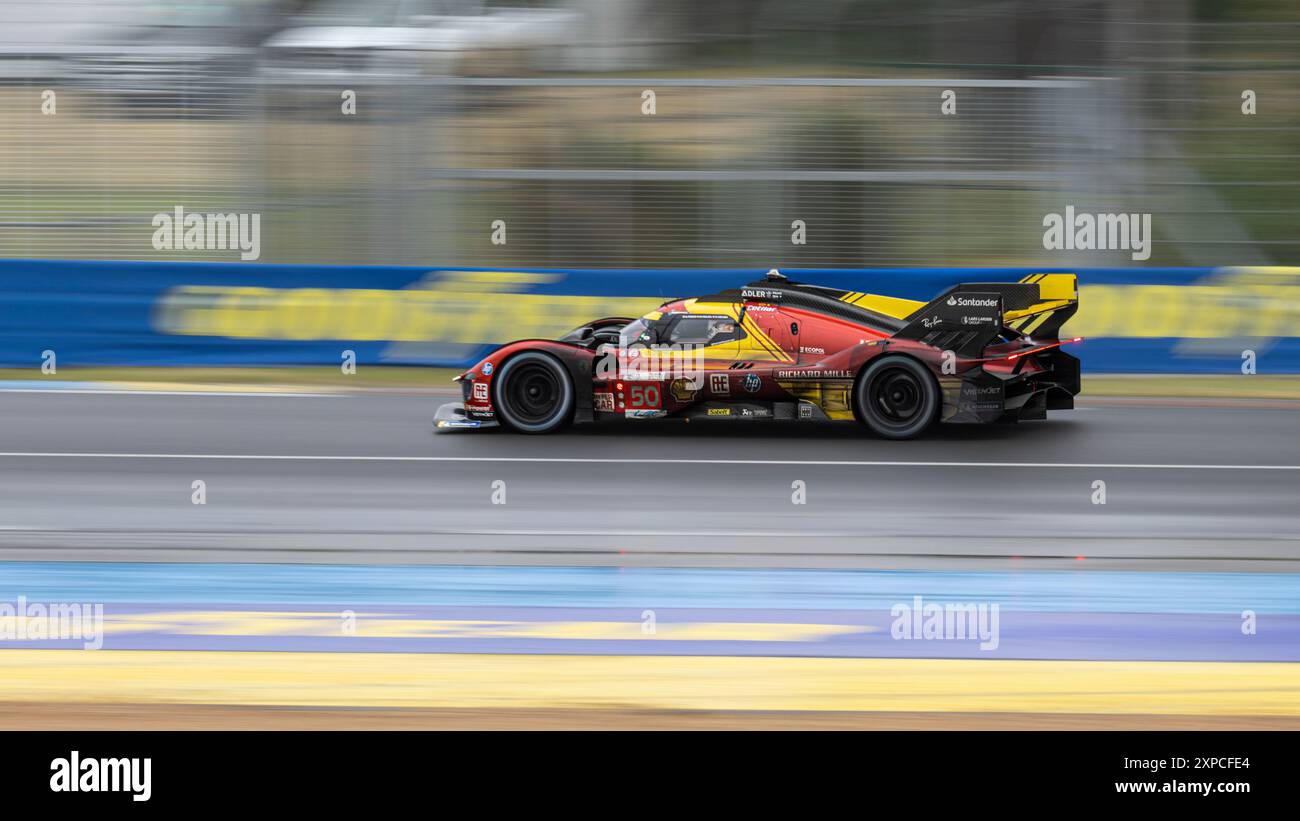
(146, 313)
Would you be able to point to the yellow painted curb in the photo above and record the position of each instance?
(649, 682)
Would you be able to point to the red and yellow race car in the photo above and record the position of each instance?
(781, 350)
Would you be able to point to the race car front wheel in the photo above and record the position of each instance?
(533, 393)
(897, 397)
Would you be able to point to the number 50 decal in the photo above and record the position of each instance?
(643, 396)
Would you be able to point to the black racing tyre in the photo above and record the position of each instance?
(532, 393)
(897, 397)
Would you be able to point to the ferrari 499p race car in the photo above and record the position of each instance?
(781, 350)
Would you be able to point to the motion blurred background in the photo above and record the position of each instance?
(530, 111)
(382, 143)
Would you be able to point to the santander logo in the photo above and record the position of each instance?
(970, 302)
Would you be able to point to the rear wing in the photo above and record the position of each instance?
(1058, 300)
(968, 317)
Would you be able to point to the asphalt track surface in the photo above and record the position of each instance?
(362, 479)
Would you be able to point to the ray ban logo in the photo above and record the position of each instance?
(179, 231)
(1098, 232)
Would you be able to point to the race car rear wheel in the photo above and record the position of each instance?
(533, 393)
(897, 397)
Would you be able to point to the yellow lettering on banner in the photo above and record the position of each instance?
(367, 313)
(239, 312)
(307, 313)
(1207, 311)
(1209, 319)
(1161, 308)
(1279, 311)
(420, 315)
(415, 315)
(1094, 320)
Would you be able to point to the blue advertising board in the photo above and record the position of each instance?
(1134, 320)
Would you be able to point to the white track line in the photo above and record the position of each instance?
(275, 457)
